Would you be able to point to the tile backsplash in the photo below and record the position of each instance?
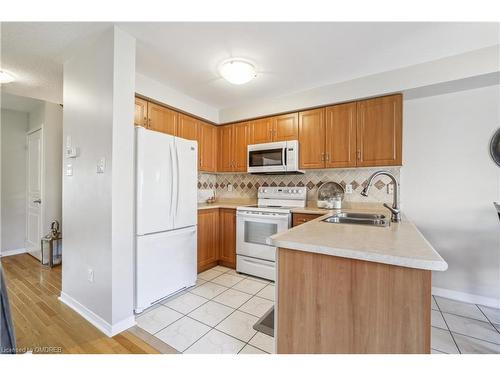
(245, 185)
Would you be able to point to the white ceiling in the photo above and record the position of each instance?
(290, 57)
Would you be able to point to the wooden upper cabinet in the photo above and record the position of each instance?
(207, 147)
(379, 131)
(261, 131)
(240, 147)
(162, 119)
(188, 127)
(227, 237)
(274, 129)
(286, 127)
(141, 112)
(340, 126)
(312, 138)
(224, 149)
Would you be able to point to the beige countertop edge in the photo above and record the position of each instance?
(438, 265)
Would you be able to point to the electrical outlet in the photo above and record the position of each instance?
(69, 170)
(229, 187)
(390, 188)
(90, 275)
(348, 189)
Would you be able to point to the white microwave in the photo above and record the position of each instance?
(274, 158)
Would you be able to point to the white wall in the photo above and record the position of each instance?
(97, 208)
(448, 185)
(37, 116)
(475, 63)
(52, 164)
(164, 94)
(14, 125)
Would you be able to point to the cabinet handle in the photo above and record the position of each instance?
(327, 157)
(358, 153)
(148, 124)
(145, 122)
(322, 156)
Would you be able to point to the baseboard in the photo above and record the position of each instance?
(98, 322)
(466, 297)
(7, 253)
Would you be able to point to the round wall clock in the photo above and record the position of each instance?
(495, 147)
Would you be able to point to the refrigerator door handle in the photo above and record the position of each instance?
(171, 180)
(177, 180)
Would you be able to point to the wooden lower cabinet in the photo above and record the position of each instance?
(328, 304)
(227, 237)
(208, 238)
(216, 238)
(298, 218)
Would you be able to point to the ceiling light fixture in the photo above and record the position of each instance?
(5, 77)
(237, 71)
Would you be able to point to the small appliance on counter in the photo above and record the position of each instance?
(330, 195)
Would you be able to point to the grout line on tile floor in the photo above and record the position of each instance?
(486, 316)
(472, 337)
(449, 330)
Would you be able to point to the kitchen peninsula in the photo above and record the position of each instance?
(345, 288)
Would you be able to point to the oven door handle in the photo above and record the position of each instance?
(263, 216)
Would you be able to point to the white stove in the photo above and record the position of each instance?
(256, 223)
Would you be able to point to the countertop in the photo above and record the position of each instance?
(230, 203)
(400, 244)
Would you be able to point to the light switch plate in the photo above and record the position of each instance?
(72, 152)
(348, 189)
(101, 165)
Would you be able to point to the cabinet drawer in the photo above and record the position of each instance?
(298, 219)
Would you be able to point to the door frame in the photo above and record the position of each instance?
(42, 184)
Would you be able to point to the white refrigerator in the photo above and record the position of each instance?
(166, 216)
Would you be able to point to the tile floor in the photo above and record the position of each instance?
(215, 316)
(459, 327)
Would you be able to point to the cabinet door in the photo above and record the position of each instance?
(379, 131)
(141, 112)
(225, 159)
(207, 142)
(298, 219)
(208, 238)
(261, 131)
(162, 119)
(227, 237)
(240, 147)
(340, 125)
(286, 127)
(188, 127)
(312, 138)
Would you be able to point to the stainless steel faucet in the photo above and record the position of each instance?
(395, 209)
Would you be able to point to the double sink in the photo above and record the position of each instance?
(375, 220)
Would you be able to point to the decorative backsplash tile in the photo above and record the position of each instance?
(246, 185)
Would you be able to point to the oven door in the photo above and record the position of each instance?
(253, 229)
(267, 157)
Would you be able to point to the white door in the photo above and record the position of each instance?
(34, 194)
(155, 181)
(186, 190)
(165, 264)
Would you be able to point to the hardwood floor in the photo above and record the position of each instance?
(44, 324)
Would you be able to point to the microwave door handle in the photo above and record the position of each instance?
(283, 158)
